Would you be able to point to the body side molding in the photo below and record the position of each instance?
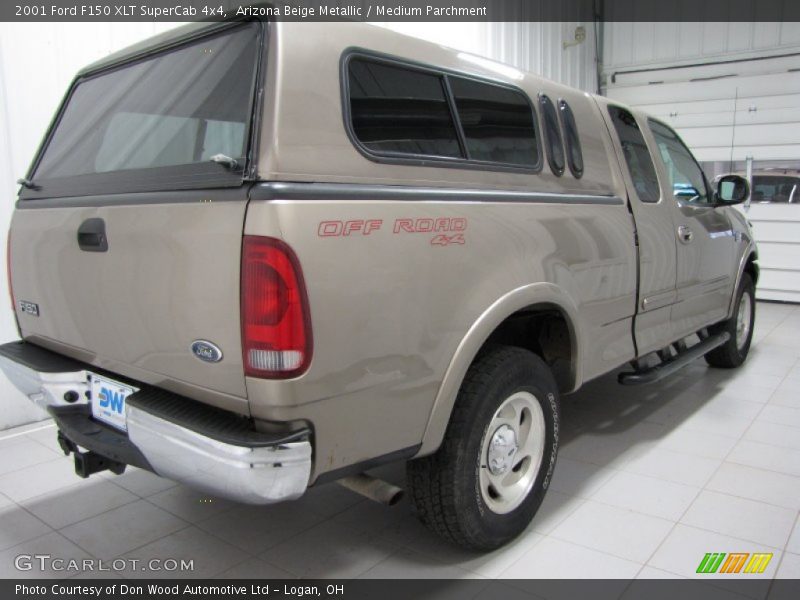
(286, 190)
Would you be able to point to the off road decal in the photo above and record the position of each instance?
(443, 231)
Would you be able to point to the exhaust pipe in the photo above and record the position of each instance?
(373, 488)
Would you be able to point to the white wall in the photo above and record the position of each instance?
(731, 90)
(703, 79)
(37, 62)
(534, 47)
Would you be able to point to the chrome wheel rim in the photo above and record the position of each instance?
(512, 450)
(743, 319)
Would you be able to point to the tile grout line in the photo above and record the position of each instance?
(783, 555)
(55, 458)
(26, 432)
(298, 533)
(700, 491)
(724, 460)
(795, 526)
(401, 546)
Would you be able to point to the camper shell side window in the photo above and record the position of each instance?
(403, 112)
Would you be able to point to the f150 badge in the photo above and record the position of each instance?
(206, 351)
(29, 308)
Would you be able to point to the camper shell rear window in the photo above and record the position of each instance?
(155, 124)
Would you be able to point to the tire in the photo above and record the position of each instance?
(740, 327)
(451, 490)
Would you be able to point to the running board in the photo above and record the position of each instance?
(679, 361)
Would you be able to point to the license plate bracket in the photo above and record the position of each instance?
(108, 400)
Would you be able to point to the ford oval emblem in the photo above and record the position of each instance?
(206, 351)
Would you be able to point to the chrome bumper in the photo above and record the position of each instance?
(258, 469)
(253, 475)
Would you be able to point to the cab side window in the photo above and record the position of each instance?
(637, 156)
(685, 177)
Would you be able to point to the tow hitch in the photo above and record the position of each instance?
(87, 463)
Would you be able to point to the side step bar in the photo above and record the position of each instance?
(668, 367)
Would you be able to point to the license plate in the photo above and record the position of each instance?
(108, 400)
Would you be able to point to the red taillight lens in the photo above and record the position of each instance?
(276, 328)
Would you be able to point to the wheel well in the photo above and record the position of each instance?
(544, 331)
(751, 267)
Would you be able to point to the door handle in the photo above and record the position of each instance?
(92, 236)
(685, 234)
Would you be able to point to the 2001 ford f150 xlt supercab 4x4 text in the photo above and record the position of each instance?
(253, 264)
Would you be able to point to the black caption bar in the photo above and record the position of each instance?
(406, 589)
(402, 10)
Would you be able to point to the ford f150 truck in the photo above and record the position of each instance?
(252, 264)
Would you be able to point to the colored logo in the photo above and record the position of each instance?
(206, 351)
(112, 400)
(734, 562)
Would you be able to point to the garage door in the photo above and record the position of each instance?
(726, 112)
(777, 230)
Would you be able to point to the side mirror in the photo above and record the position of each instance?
(732, 189)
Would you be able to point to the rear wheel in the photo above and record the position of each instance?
(487, 480)
(740, 327)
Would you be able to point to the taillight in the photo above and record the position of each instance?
(276, 328)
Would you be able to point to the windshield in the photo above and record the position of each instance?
(152, 123)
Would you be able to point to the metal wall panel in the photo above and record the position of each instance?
(534, 47)
(777, 229)
(731, 90)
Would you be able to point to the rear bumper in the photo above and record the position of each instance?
(209, 449)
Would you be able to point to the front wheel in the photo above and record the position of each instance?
(483, 486)
(740, 327)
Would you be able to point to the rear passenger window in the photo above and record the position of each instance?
(397, 110)
(574, 153)
(497, 123)
(637, 156)
(552, 135)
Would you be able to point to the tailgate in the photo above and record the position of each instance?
(169, 277)
(125, 246)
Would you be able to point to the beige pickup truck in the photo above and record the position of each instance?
(253, 264)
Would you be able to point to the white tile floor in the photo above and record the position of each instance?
(649, 479)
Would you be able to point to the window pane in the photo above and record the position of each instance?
(637, 157)
(400, 110)
(497, 122)
(553, 142)
(574, 153)
(775, 188)
(685, 176)
(166, 111)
